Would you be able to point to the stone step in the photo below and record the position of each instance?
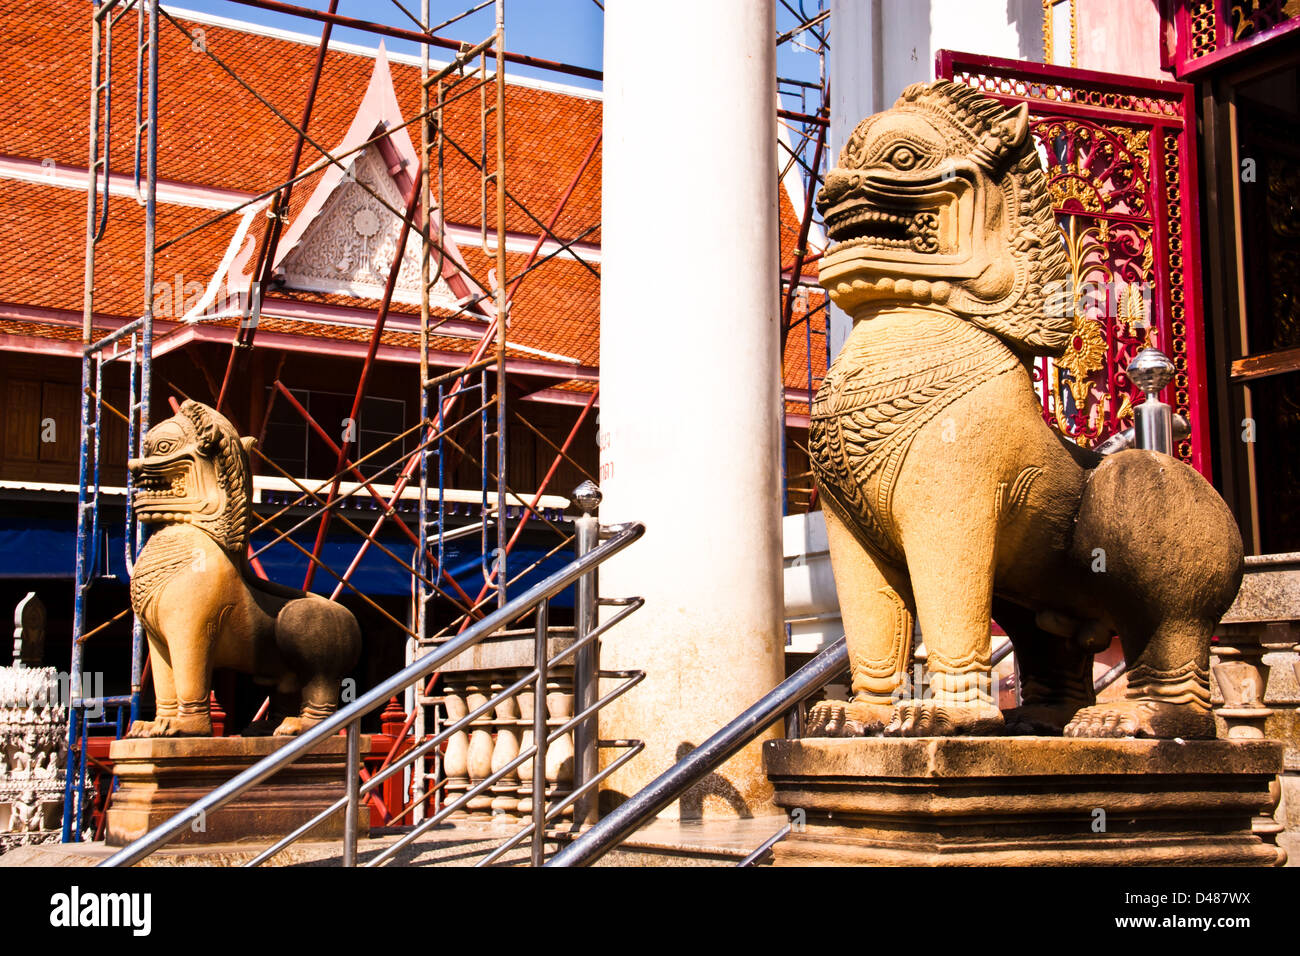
(660, 843)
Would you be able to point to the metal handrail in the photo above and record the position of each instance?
(349, 717)
(763, 848)
(632, 679)
(704, 759)
(672, 783)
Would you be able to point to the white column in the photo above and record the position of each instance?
(690, 399)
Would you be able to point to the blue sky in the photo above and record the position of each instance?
(566, 30)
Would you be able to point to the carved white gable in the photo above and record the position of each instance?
(349, 245)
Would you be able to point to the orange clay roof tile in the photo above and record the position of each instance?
(214, 132)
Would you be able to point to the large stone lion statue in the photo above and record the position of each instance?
(947, 497)
(200, 604)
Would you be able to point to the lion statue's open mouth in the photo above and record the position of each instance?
(931, 203)
(194, 469)
(922, 216)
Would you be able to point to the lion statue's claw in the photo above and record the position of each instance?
(839, 718)
(293, 726)
(197, 726)
(932, 718)
(1142, 718)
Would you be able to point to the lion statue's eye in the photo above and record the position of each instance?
(162, 447)
(903, 157)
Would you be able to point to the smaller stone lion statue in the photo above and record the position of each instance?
(200, 604)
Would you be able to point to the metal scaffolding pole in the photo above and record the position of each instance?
(91, 711)
(437, 429)
(503, 304)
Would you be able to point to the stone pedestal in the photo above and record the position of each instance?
(1023, 801)
(158, 777)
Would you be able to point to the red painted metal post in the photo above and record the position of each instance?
(487, 340)
(555, 216)
(537, 497)
(415, 36)
(365, 483)
(796, 273)
(278, 209)
(550, 473)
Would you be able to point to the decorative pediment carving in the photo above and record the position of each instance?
(348, 247)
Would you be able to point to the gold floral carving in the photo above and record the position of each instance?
(1063, 189)
(1085, 354)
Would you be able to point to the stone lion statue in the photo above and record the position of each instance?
(946, 495)
(200, 604)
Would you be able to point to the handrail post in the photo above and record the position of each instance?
(539, 738)
(1151, 371)
(586, 530)
(352, 777)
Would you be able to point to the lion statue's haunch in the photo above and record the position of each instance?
(200, 605)
(946, 494)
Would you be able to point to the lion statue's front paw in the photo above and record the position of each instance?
(933, 718)
(293, 726)
(191, 726)
(840, 718)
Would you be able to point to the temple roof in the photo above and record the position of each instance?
(219, 148)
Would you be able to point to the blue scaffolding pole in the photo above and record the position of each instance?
(132, 343)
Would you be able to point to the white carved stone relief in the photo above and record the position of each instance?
(349, 247)
(33, 752)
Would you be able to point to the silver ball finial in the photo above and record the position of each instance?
(586, 496)
(1151, 370)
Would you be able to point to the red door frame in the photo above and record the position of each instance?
(1167, 109)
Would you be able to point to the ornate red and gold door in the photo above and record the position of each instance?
(1120, 157)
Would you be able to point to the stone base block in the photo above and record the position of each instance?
(158, 777)
(1023, 801)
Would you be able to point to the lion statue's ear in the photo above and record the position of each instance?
(205, 426)
(248, 442)
(1012, 127)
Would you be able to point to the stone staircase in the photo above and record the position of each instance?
(660, 843)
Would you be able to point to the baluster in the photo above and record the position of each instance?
(504, 799)
(480, 750)
(524, 804)
(455, 760)
(559, 757)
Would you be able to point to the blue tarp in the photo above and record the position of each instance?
(46, 548)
